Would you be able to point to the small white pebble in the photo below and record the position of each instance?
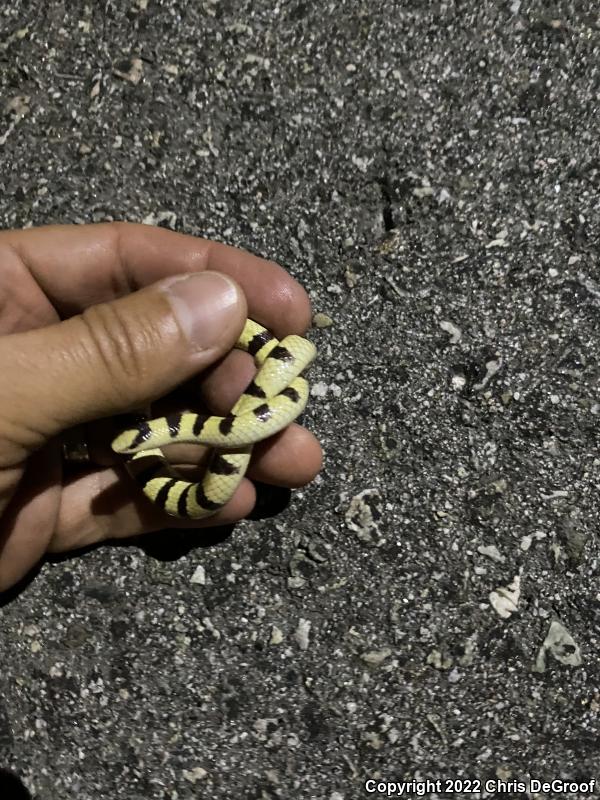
(526, 542)
(319, 389)
(361, 163)
(302, 633)
(505, 599)
(321, 320)
(272, 776)
(453, 676)
(193, 775)
(491, 551)
(199, 575)
(376, 657)
(276, 635)
(451, 329)
(458, 382)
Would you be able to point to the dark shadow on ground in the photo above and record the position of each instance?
(11, 787)
(168, 544)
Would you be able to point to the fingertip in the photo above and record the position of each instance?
(292, 458)
(294, 311)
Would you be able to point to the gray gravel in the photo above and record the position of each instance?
(429, 607)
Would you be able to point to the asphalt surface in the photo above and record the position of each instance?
(429, 607)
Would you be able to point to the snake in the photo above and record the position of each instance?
(273, 399)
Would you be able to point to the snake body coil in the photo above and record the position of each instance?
(273, 399)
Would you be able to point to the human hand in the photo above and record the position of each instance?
(124, 341)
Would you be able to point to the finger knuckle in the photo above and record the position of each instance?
(114, 340)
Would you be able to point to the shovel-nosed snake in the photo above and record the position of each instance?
(273, 399)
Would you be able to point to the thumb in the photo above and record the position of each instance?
(115, 356)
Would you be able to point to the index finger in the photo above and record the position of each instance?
(77, 266)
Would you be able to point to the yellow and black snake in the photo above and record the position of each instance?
(273, 399)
